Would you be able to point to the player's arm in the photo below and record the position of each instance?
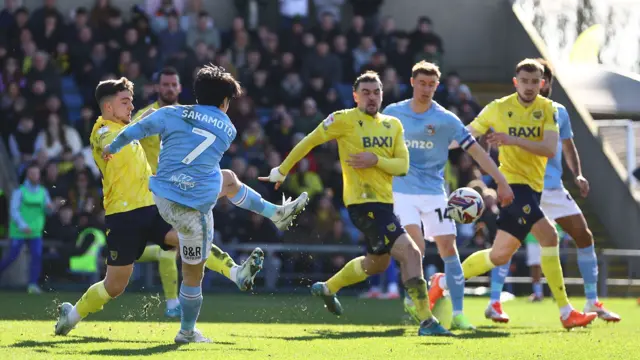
(505, 194)
(398, 165)
(151, 125)
(14, 210)
(570, 152)
(481, 124)
(331, 128)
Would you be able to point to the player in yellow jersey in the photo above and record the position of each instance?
(371, 150)
(132, 218)
(524, 126)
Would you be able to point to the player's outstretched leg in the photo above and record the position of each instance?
(494, 310)
(408, 255)
(168, 270)
(242, 275)
(576, 226)
(245, 197)
(352, 273)
(94, 298)
(546, 234)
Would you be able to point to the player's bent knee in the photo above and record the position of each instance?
(230, 183)
(500, 256)
(545, 232)
(446, 245)
(192, 274)
(583, 237)
(375, 264)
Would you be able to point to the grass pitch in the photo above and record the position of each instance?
(298, 327)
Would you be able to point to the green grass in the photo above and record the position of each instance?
(298, 327)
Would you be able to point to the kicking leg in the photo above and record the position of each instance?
(245, 197)
(576, 226)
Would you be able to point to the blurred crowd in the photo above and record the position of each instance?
(293, 76)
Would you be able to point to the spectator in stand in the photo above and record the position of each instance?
(56, 185)
(243, 112)
(325, 214)
(160, 10)
(80, 167)
(280, 129)
(56, 137)
(291, 38)
(52, 33)
(37, 19)
(331, 102)
(342, 51)
(13, 40)
(378, 63)
(80, 20)
(11, 73)
(22, 142)
(309, 117)
(393, 92)
(84, 125)
(253, 141)
(363, 53)
(101, 14)
(62, 59)
(112, 34)
(368, 10)
(324, 64)
(82, 196)
(424, 35)
(7, 18)
(29, 206)
(239, 49)
(356, 32)
(43, 71)
(291, 89)
(172, 40)
(260, 90)
(327, 30)
(387, 37)
(271, 51)
(430, 54)
(291, 10)
(332, 7)
(204, 31)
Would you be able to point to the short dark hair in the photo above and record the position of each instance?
(168, 71)
(530, 66)
(425, 68)
(109, 88)
(548, 71)
(213, 84)
(368, 76)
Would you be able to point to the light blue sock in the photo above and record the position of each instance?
(190, 300)
(588, 265)
(455, 281)
(249, 199)
(537, 289)
(498, 276)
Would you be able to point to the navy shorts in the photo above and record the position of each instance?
(379, 224)
(128, 233)
(518, 218)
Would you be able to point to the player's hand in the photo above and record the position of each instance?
(275, 176)
(505, 195)
(362, 160)
(106, 153)
(583, 184)
(500, 139)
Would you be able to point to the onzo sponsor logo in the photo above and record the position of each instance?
(419, 144)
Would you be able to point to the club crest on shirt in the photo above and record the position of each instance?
(430, 130)
(386, 124)
(526, 209)
(537, 114)
(114, 255)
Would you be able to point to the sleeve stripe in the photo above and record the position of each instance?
(467, 142)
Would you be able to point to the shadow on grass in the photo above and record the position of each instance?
(160, 349)
(336, 335)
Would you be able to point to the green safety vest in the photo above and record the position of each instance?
(88, 262)
(33, 211)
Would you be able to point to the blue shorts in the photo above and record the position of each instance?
(518, 218)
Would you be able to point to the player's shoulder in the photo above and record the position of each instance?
(562, 110)
(390, 120)
(505, 100)
(397, 106)
(445, 114)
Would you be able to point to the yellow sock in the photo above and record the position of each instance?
(417, 291)
(168, 273)
(93, 300)
(151, 253)
(351, 273)
(552, 270)
(477, 263)
(220, 262)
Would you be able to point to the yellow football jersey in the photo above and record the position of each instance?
(151, 144)
(125, 178)
(357, 132)
(507, 115)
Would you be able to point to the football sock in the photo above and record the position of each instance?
(151, 253)
(498, 276)
(417, 290)
(351, 273)
(190, 301)
(537, 289)
(455, 281)
(168, 270)
(588, 265)
(552, 270)
(249, 199)
(477, 263)
(92, 300)
(220, 262)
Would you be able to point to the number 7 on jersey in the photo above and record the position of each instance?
(209, 139)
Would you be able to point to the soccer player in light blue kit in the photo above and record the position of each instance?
(189, 180)
(559, 206)
(420, 197)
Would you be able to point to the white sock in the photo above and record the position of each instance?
(73, 316)
(565, 311)
(393, 288)
(442, 282)
(233, 273)
(591, 302)
(456, 313)
(376, 289)
(172, 303)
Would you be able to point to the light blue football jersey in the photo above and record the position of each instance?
(428, 136)
(194, 138)
(553, 173)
